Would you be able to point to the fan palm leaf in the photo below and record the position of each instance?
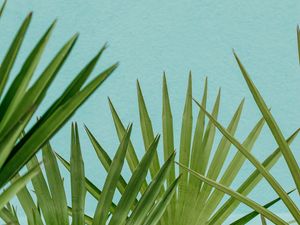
(196, 202)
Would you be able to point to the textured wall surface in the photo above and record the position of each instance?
(149, 37)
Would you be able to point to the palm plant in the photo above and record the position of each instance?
(195, 201)
(262, 169)
(51, 206)
(19, 101)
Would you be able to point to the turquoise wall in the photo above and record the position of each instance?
(149, 37)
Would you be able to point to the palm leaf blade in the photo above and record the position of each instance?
(231, 172)
(33, 140)
(131, 156)
(18, 87)
(168, 142)
(147, 130)
(140, 212)
(245, 188)
(134, 185)
(12, 53)
(154, 217)
(250, 216)
(105, 159)
(55, 183)
(77, 179)
(111, 181)
(284, 147)
(239, 197)
(274, 184)
(16, 186)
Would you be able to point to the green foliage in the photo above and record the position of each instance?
(194, 197)
(245, 219)
(51, 207)
(19, 100)
(274, 128)
(196, 201)
(262, 169)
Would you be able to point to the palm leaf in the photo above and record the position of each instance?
(55, 184)
(10, 137)
(134, 185)
(208, 138)
(12, 53)
(167, 119)
(111, 181)
(221, 153)
(89, 185)
(33, 140)
(168, 143)
(271, 216)
(274, 184)
(147, 130)
(155, 215)
(197, 156)
(141, 210)
(131, 156)
(185, 143)
(43, 194)
(29, 206)
(21, 98)
(77, 84)
(18, 87)
(16, 186)
(77, 179)
(105, 159)
(250, 216)
(37, 92)
(204, 153)
(230, 173)
(284, 147)
(188, 208)
(247, 186)
(50, 205)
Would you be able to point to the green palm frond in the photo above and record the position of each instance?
(193, 196)
(51, 206)
(246, 187)
(262, 169)
(274, 128)
(20, 99)
(196, 202)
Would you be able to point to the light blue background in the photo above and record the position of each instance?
(149, 37)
